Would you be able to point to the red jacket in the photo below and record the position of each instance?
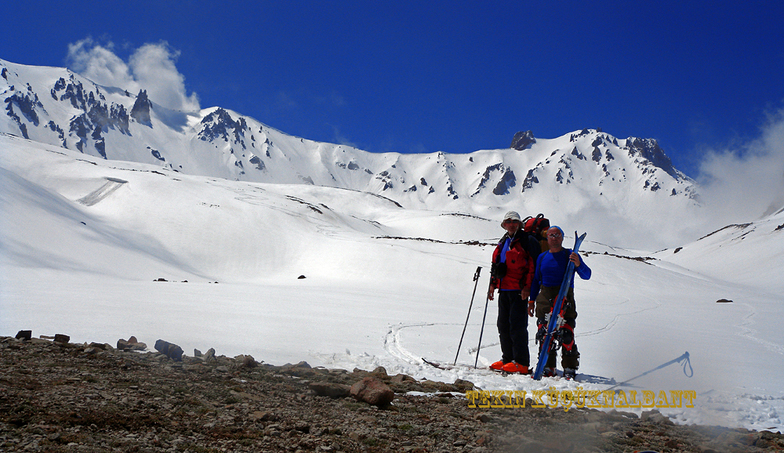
(520, 267)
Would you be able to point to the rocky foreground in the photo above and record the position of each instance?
(57, 396)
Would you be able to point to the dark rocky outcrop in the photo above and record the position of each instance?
(508, 180)
(530, 180)
(142, 108)
(255, 160)
(220, 124)
(170, 350)
(523, 140)
(649, 149)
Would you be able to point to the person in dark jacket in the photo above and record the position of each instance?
(550, 271)
(512, 272)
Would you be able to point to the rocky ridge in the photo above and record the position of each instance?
(57, 396)
(58, 107)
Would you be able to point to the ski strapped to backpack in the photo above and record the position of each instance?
(556, 316)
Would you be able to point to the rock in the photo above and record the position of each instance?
(132, 344)
(372, 391)
(210, 355)
(330, 389)
(522, 140)
(403, 378)
(141, 109)
(246, 361)
(380, 371)
(24, 335)
(60, 338)
(264, 416)
(170, 350)
(655, 417)
(462, 385)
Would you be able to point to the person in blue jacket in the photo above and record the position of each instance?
(550, 270)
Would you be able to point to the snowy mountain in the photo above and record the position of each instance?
(581, 180)
(84, 241)
(104, 194)
(727, 252)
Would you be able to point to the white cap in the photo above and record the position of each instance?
(511, 215)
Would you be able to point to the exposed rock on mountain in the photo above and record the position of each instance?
(523, 140)
(649, 149)
(141, 109)
(220, 125)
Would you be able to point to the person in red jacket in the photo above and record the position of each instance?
(512, 273)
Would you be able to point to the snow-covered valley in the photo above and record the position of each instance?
(83, 239)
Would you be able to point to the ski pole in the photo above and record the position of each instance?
(487, 302)
(476, 280)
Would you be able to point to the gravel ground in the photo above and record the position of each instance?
(57, 396)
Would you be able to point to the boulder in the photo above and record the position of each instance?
(170, 350)
(330, 389)
(24, 335)
(372, 391)
(131, 344)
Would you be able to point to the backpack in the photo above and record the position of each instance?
(536, 225)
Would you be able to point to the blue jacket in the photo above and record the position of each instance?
(550, 270)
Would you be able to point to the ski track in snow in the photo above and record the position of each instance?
(607, 327)
(750, 333)
(394, 346)
(100, 194)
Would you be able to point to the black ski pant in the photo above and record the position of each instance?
(513, 327)
(570, 356)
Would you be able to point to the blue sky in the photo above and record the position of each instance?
(450, 76)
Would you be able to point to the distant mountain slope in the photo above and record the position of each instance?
(749, 253)
(586, 178)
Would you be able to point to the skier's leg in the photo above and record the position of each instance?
(518, 329)
(507, 346)
(570, 356)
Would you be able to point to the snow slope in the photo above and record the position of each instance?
(82, 240)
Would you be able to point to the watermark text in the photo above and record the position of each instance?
(580, 398)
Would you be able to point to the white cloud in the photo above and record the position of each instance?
(100, 64)
(342, 139)
(153, 66)
(150, 67)
(746, 182)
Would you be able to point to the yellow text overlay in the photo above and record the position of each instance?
(567, 399)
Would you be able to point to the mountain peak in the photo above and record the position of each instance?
(649, 149)
(141, 109)
(523, 140)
